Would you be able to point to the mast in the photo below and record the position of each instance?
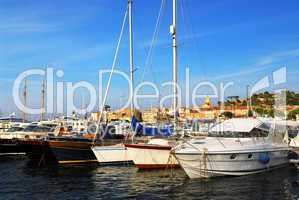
(82, 105)
(130, 2)
(25, 101)
(42, 100)
(175, 63)
(247, 99)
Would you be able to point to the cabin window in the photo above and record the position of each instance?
(198, 142)
(250, 155)
(233, 156)
(256, 132)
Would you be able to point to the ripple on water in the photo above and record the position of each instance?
(22, 180)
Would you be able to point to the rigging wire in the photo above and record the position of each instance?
(112, 69)
(148, 60)
(149, 56)
(189, 27)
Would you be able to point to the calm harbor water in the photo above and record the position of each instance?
(20, 179)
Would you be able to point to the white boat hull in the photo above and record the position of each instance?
(151, 156)
(210, 165)
(115, 154)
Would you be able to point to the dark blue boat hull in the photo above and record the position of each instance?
(67, 150)
(65, 156)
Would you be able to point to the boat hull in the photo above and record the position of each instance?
(37, 150)
(72, 152)
(295, 149)
(115, 154)
(237, 164)
(147, 157)
(10, 146)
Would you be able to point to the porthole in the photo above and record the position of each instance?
(233, 156)
(250, 155)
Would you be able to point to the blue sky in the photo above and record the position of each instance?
(220, 41)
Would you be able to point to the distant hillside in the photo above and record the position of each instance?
(263, 103)
(267, 99)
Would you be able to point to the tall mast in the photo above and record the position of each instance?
(173, 32)
(247, 99)
(25, 101)
(82, 105)
(42, 100)
(130, 2)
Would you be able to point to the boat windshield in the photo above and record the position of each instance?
(10, 119)
(256, 132)
(260, 131)
(37, 129)
(15, 129)
(50, 125)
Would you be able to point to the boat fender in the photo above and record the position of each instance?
(264, 158)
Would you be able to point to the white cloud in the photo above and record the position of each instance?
(42, 17)
(26, 26)
(263, 63)
(276, 57)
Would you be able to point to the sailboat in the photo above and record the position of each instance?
(156, 153)
(10, 128)
(117, 154)
(235, 147)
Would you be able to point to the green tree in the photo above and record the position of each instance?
(250, 113)
(292, 98)
(219, 103)
(227, 114)
(259, 111)
(292, 114)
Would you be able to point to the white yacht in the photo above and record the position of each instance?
(234, 147)
(32, 131)
(11, 121)
(10, 139)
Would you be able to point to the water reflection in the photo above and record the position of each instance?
(20, 179)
